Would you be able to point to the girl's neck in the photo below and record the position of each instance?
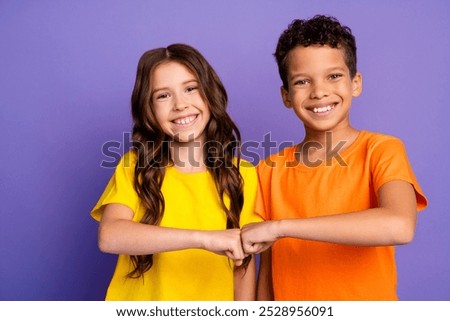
(188, 157)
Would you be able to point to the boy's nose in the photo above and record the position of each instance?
(319, 90)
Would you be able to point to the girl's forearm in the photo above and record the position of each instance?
(245, 282)
(131, 238)
(264, 289)
(119, 234)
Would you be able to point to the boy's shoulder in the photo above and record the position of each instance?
(368, 141)
(282, 157)
(375, 139)
(377, 135)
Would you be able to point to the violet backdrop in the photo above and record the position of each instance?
(66, 73)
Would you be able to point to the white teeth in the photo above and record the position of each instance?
(185, 121)
(322, 109)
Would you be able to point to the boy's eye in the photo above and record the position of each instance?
(335, 76)
(301, 82)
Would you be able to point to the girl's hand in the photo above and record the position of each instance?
(258, 237)
(224, 242)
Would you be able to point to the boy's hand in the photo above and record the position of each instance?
(258, 237)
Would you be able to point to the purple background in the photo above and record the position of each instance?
(66, 73)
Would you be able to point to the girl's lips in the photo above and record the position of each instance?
(185, 121)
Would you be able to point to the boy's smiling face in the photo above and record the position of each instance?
(320, 87)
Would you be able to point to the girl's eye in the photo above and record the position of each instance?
(162, 96)
(191, 89)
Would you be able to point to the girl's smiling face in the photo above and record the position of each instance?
(320, 88)
(177, 102)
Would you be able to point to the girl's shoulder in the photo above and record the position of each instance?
(247, 169)
(245, 163)
(127, 162)
(129, 157)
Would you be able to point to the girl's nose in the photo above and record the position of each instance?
(179, 103)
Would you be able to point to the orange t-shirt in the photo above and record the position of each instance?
(310, 270)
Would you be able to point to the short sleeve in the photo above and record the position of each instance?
(389, 162)
(120, 188)
(248, 214)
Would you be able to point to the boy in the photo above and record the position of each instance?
(336, 204)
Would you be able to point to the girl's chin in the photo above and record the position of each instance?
(185, 138)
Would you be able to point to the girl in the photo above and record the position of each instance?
(174, 206)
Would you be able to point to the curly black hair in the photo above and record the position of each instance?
(320, 30)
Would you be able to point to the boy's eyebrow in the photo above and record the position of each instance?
(299, 74)
(328, 70)
(337, 68)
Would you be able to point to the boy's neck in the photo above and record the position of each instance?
(322, 137)
(318, 146)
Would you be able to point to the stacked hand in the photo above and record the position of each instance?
(237, 244)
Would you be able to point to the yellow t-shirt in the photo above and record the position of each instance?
(309, 270)
(191, 202)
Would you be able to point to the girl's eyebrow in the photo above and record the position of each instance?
(184, 83)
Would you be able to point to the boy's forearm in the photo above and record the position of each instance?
(373, 227)
(392, 223)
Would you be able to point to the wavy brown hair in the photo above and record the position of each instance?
(222, 145)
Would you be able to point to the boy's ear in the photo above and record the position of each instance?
(285, 97)
(357, 84)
